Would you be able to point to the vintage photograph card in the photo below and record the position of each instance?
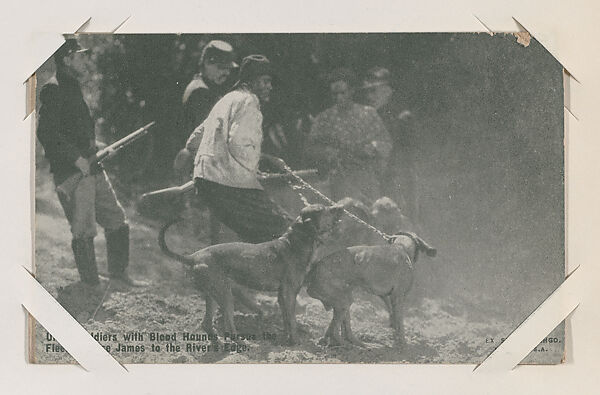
(299, 198)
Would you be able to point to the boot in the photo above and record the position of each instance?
(117, 255)
(85, 259)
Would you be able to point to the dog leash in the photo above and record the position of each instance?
(305, 184)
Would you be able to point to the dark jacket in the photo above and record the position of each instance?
(198, 99)
(65, 127)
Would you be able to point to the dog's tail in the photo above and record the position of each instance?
(421, 244)
(165, 249)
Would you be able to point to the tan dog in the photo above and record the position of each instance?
(383, 270)
(278, 265)
(347, 232)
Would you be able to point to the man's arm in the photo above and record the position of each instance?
(56, 147)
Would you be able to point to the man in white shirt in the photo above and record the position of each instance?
(227, 151)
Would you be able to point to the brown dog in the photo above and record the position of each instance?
(278, 265)
(383, 270)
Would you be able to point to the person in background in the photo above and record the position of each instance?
(66, 131)
(227, 151)
(399, 122)
(206, 88)
(200, 95)
(349, 142)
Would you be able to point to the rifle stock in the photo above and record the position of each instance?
(69, 185)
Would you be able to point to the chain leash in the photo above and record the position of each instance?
(306, 185)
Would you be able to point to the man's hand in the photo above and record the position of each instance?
(274, 161)
(83, 165)
(183, 162)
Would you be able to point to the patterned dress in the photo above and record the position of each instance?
(352, 147)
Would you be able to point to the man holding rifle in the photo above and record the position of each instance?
(66, 131)
(227, 150)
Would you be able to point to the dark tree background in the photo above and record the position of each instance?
(489, 115)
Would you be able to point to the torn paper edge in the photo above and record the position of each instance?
(544, 319)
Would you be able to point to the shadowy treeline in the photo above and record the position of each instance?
(489, 123)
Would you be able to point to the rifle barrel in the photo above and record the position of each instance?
(110, 150)
(188, 186)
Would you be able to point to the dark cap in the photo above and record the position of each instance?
(376, 76)
(254, 66)
(218, 51)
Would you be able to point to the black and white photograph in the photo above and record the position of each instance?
(299, 197)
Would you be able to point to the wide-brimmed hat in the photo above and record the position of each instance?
(217, 51)
(376, 76)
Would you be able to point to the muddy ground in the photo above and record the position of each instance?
(438, 329)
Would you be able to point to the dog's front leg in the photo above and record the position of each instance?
(397, 299)
(336, 328)
(207, 322)
(284, 313)
(287, 304)
(228, 308)
(388, 305)
(326, 340)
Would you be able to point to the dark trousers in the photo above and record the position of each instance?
(248, 212)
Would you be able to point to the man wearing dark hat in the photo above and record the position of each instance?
(227, 150)
(66, 131)
(207, 87)
(399, 122)
(199, 97)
